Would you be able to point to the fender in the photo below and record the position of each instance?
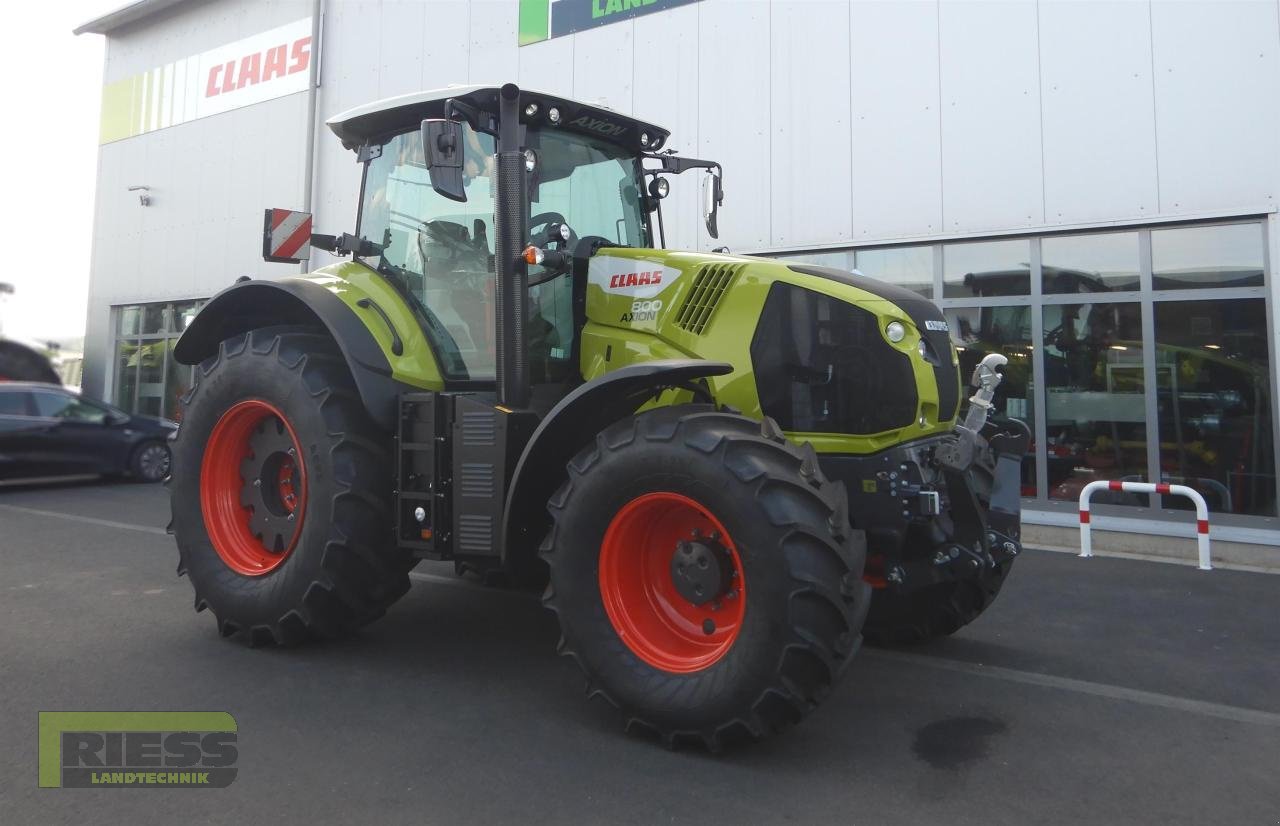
(572, 425)
(250, 305)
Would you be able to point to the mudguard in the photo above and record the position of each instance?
(572, 425)
(249, 305)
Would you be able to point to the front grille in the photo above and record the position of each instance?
(709, 285)
(822, 366)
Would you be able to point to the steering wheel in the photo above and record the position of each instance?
(545, 220)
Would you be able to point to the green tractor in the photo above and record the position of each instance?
(724, 470)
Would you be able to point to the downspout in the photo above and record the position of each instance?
(313, 109)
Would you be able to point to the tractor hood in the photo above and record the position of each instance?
(811, 344)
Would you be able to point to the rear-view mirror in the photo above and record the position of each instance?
(442, 145)
(712, 196)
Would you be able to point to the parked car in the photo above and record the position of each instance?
(47, 430)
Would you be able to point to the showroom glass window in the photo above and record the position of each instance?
(1213, 367)
(146, 378)
(986, 268)
(977, 331)
(1151, 345)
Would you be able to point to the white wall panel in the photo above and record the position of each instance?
(665, 92)
(809, 117)
(401, 43)
(991, 170)
(1099, 144)
(896, 151)
(733, 123)
(548, 67)
(445, 44)
(494, 26)
(602, 66)
(1217, 81)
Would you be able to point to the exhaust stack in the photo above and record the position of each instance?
(511, 307)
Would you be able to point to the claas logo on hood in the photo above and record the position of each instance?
(634, 279)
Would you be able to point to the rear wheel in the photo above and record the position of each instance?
(705, 575)
(280, 492)
(932, 611)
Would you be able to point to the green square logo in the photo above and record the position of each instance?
(137, 749)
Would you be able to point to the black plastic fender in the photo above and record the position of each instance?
(249, 305)
(572, 425)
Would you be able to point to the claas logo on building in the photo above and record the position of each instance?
(259, 67)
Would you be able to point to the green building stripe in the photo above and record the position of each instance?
(535, 21)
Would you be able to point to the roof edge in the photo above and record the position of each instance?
(123, 16)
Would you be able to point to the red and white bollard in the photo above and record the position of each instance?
(1202, 512)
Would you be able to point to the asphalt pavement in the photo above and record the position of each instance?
(1095, 691)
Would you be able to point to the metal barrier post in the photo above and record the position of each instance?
(1202, 512)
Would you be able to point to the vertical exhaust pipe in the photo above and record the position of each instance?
(511, 307)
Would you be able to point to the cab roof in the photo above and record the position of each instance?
(383, 118)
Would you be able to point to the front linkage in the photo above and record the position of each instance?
(945, 509)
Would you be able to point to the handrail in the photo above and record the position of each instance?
(1202, 512)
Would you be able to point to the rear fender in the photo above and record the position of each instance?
(572, 425)
(366, 347)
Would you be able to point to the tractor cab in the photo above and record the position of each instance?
(431, 201)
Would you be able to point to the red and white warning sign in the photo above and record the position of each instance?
(286, 236)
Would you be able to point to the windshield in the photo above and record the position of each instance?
(590, 185)
(441, 250)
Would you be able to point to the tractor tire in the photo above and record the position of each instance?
(933, 611)
(281, 493)
(21, 363)
(705, 575)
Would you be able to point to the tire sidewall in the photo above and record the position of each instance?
(748, 666)
(239, 376)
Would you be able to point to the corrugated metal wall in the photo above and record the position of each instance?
(836, 121)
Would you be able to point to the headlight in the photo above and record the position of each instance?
(923, 348)
(895, 332)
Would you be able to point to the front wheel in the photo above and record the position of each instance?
(705, 575)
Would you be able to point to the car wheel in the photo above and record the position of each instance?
(150, 462)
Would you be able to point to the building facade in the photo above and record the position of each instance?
(1089, 188)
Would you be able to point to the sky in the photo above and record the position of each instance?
(53, 86)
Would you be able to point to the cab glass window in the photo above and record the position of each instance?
(440, 250)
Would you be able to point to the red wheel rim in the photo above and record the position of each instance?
(660, 625)
(253, 487)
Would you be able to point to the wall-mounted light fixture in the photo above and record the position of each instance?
(145, 197)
